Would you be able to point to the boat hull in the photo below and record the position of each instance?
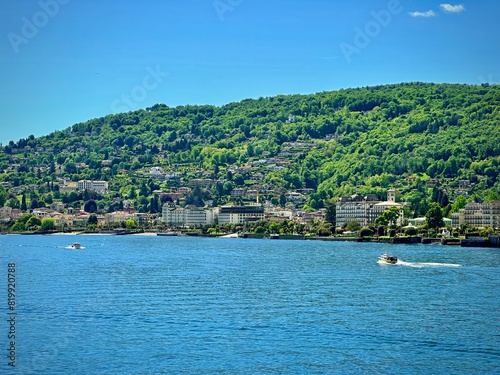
(388, 261)
(384, 258)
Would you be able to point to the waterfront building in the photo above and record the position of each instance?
(240, 214)
(478, 215)
(365, 209)
(117, 217)
(189, 215)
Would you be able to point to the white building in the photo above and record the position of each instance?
(186, 216)
(478, 215)
(118, 217)
(99, 186)
(156, 171)
(201, 182)
(172, 176)
(364, 210)
(238, 192)
(240, 214)
(295, 197)
(172, 215)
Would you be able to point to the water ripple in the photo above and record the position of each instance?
(191, 306)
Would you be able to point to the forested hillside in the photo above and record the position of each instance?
(324, 145)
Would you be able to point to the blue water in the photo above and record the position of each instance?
(182, 305)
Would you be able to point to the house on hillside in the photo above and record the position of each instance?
(156, 172)
(98, 186)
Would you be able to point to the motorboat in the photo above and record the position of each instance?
(384, 258)
(75, 246)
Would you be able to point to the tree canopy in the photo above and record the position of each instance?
(329, 144)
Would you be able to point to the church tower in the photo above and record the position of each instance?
(391, 196)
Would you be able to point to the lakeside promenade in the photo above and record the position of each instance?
(468, 241)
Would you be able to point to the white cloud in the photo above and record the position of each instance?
(429, 13)
(452, 8)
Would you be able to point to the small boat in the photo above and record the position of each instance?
(75, 246)
(384, 258)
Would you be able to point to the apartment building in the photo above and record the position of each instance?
(478, 215)
(240, 214)
(99, 186)
(190, 215)
(365, 209)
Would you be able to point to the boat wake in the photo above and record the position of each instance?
(71, 247)
(426, 264)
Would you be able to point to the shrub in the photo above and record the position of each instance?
(47, 223)
(324, 231)
(260, 229)
(411, 231)
(365, 232)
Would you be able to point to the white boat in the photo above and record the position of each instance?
(384, 258)
(75, 246)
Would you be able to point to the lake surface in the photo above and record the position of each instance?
(182, 305)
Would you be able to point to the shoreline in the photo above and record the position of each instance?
(491, 242)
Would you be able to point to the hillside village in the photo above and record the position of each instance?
(249, 205)
(321, 161)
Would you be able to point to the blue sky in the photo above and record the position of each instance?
(67, 61)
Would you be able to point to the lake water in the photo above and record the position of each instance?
(182, 305)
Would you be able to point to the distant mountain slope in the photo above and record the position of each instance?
(368, 139)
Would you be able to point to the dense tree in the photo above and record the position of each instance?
(195, 197)
(369, 138)
(331, 213)
(47, 223)
(90, 206)
(352, 226)
(34, 204)
(434, 216)
(130, 224)
(392, 215)
(33, 222)
(154, 205)
(325, 230)
(459, 203)
(381, 221)
(92, 219)
(365, 232)
(70, 168)
(412, 231)
(23, 203)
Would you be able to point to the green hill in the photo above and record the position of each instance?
(323, 145)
